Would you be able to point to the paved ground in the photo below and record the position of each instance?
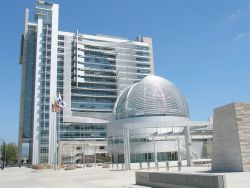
(94, 178)
(82, 178)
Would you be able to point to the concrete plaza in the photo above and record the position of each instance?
(79, 178)
(95, 178)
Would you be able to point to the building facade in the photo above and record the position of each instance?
(89, 71)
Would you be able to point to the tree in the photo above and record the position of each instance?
(10, 152)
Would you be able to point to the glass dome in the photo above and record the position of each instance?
(152, 96)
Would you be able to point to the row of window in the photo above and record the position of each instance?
(97, 66)
(92, 105)
(90, 92)
(83, 135)
(94, 86)
(93, 79)
(147, 157)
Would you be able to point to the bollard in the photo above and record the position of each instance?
(140, 166)
(122, 166)
(117, 165)
(167, 166)
(179, 165)
(112, 165)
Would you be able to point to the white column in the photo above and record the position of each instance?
(35, 152)
(53, 81)
(188, 143)
(155, 153)
(178, 149)
(126, 145)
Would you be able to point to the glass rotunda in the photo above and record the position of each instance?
(152, 96)
(147, 116)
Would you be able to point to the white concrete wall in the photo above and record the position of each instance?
(230, 140)
(243, 122)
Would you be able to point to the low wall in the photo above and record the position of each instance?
(180, 180)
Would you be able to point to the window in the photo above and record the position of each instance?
(60, 43)
(101, 147)
(60, 50)
(60, 37)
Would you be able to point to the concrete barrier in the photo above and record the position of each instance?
(180, 180)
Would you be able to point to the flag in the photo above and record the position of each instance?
(55, 106)
(60, 102)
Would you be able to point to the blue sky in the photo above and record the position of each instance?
(201, 46)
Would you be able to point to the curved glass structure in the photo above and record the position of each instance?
(152, 96)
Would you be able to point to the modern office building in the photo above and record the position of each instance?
(89, 71)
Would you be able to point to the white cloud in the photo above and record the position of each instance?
(242, 36)
(239, 13)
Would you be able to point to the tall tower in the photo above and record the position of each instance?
(39, 79)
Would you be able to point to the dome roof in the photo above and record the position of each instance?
(152, 96)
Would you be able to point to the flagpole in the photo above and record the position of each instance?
(50, 138)
(60, 103)
(54, 144)
(59, 151)
(54, 136)
(54, 141)
(56, 131)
